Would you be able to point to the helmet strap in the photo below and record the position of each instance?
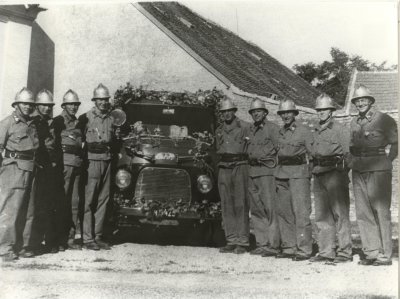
(322, 122)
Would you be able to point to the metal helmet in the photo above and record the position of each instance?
(362, 92)
(287, 105)
(227, 104)
(23, 96)
(101, 92)
(324, 101)
(44, 97)
(257, 104)
(70, 97)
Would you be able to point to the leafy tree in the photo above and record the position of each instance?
(332, 77)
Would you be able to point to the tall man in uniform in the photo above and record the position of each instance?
(293, 184)
(18, 144)
(41, 223)
(371, 132)
(69, 136)
(331, 185)
(262, 149)
(233, 178)
(97, 126)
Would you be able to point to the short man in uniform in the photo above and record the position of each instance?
(293, 184)
(331, 185)
(371, 132)
(231, 139)
(262, 149)
(41, 223)
(18, 143)
(98, 133)
(69, 136)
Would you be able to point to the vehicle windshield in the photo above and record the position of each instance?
(171, 121)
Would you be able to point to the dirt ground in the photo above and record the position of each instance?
(132, 270)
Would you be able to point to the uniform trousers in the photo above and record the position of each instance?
(233, 190)
(373, 192)
(15, 188)
(42, 214)
(294, 210)
(262, 194)
(97, 195)
(69, 210)
(331, 191)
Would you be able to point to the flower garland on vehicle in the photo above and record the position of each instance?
(207, 98)
(155, 210)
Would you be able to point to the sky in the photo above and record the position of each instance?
(295, 32)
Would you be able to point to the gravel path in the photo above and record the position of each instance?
(153, 271)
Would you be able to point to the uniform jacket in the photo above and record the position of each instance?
(376, 129)
(262, 144)
(18, 134)
(232, 138)
(98, 128)
(48, 152)
(68, 133)
(294, 140)
(330, 139)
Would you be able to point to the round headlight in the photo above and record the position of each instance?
(204, 184)
(123, 179)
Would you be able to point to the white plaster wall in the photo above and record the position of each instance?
(15, 40)
(114, 44)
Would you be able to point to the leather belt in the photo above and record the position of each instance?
(233, 157)
(367, 151)
(327, 160)
(24, 155)
(269, 162)
(292, 160)
(72, 149)
(98, 148)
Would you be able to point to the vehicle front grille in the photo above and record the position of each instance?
(163, 184)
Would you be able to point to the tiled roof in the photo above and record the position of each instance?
(383, 86)
(242, 63)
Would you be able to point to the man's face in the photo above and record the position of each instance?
(228, 115)
(363, 105)
(71, 109)
(26, 109)
(102, 104)
(324, 114)
(45, 110)
(258, 115)
(288, 117)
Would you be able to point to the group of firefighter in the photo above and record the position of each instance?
(266, 170)
(263, 171)
(42, 171)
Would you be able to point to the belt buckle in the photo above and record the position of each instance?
(13, 155)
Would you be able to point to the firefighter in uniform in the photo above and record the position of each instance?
(293, 185)
(97, 126)
(262, 149)
(41, 223)
(69, 136)
(331, 185)
(371, 132)
(18, 143)
(231, 140)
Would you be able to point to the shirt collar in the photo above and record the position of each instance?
(67, 117)
(325, 126)
(96, 112)
(292, 127)
(368, 116)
